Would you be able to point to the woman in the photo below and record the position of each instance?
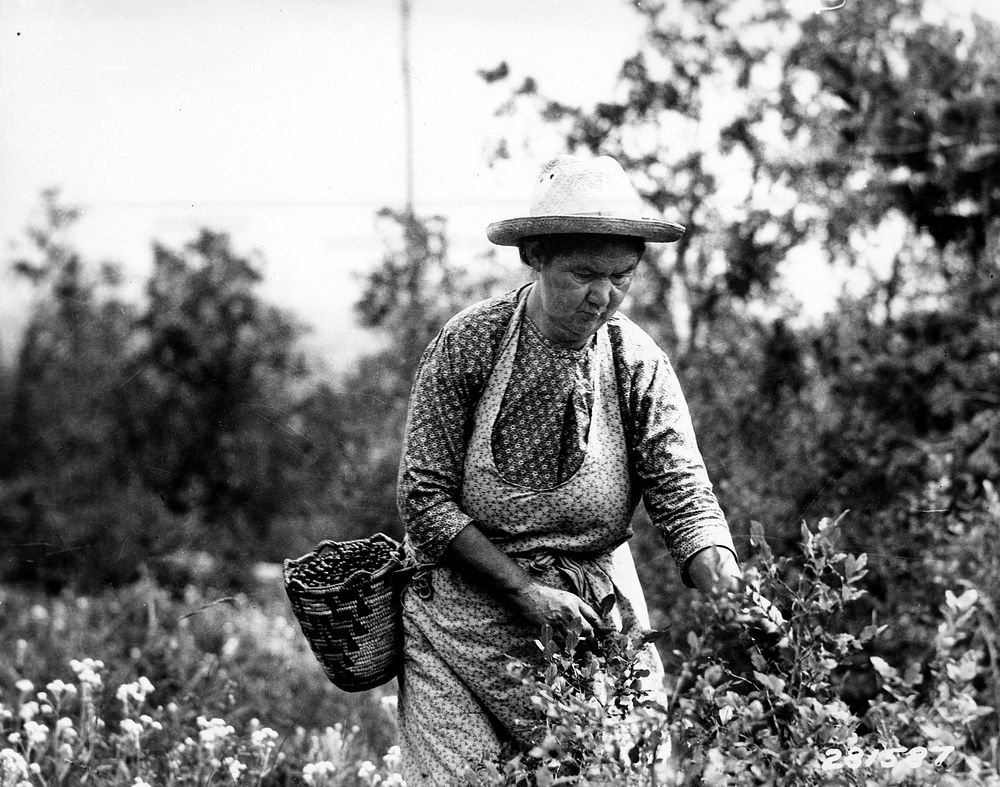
(536, 421)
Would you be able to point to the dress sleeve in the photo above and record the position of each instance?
(446, 389)
(666, 460)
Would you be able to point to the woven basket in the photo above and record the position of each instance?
(345, 595)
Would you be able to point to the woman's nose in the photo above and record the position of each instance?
(599, 293)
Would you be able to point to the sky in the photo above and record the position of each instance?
(282, 124)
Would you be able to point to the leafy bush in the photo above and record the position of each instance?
(756, 697)
(758, 694)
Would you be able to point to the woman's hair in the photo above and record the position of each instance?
(543, 248)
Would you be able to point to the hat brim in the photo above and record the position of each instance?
(510, 232)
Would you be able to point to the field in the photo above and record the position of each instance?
(141, 687)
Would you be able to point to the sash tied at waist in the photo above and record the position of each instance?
(588, 575)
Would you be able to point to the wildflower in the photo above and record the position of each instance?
(140, 782)
(13, 767)
(24, 686)
(88, 672)
(394, 780)
(36, 733)
(392, 758)
(213, 731)
(131, 729)
(135, 691)
(64, 728)
(46, 709)
(314, 770)
(28, 711)
(35, 768)
(235, 768)
(14, 737)
(264, 738)
(20, 651)
(58, 688)
(367, 770)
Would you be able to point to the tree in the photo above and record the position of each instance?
(778, 138)
(66, 496)
(212, 381)
(408, 297)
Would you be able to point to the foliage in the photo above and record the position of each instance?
(232, 657)
(210, 397)
(756, 695)
(189, 415)
(66, 496)
(408, 297)
(206, 686)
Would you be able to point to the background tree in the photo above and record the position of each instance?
(781, 139)
(407, 298)
(212, 385)
(68, 499)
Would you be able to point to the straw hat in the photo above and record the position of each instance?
(575, 195)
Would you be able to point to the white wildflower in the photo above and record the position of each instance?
(140, 782)
(13, 767)
(135, 691)
(88, 672)
(213, 731)
(28, 711)
(263, 738)
(131, 729)
(46, 709)
(392, 758)
(394, 780)
(35, 768)
(14, 737)
(314, 770)
(37, 734)
(24, 686)
(367, 770)
(235, 768)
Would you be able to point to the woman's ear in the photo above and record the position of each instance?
(532, 253)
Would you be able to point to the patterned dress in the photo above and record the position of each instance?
(547, 450)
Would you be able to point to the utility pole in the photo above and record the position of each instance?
(407, 103)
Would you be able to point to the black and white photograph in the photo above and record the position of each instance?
(418, 393)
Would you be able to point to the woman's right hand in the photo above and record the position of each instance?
(560, 609)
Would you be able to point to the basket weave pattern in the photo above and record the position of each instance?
(345, 596)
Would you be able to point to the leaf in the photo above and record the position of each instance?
(963, 602)
(758, 541)
(771, 682)
(653, 635)
(854, 567)
(883, 668)
(606, 605)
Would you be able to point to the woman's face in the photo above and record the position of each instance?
(578, 291)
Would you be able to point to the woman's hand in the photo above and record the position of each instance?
(481, 561)
(560, 609)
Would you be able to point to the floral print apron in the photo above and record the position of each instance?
(458, 702)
